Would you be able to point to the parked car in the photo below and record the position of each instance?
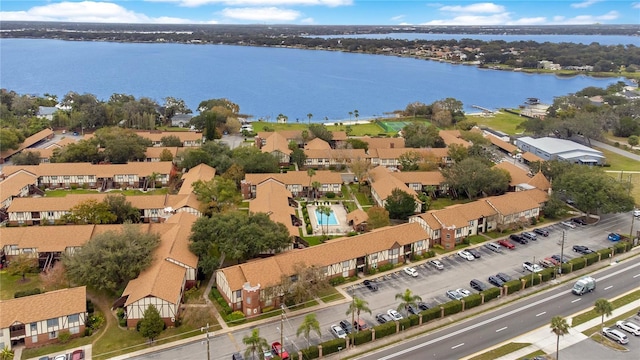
(636, 212)
(540, 231)
(518, 238)
(79, 355)
(60, 357)
(394, 315)
(410, 271)
(383, 318)
(553, 260)
(494, 280)
(278, 350)
(478, 285)
(506, 243)
(371, 285)
(582, 249)
(267, 355)
(360, 325)
(579, 221)
(557, 258)
(412, 309)
(466, 255)
(504, 277)
(476, 254)
(568, 224)
(337, 331)
(346, 326)
(436, 264)
(546, 263)
(531, 267)
(530, 236)
(615, 335)
(464, 292)
(454, 295)
(236, 356)
(423, 306)
(495, 247)
(629, 327)
(614, 237)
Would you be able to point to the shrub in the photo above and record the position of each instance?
(429, 254)
(414, 320)
(527, 280)
(95, 322)
(452, 307)
(491, 293)
(622, 246)
(120, 313)
(352, 233)
(88, 331)
(566, 268)
(472, 301)
(235, 317)
(547, 274)
(331, 195)
(430, 314)
(591, 258)
(74, 186)
(333, 346)
(385, 267)
(90, 307)
(385, 329)
(336, 281)
(310, 353)
(578, 263)
(215, 295)
(122, 322)
(309, 229)
(405, 323)
(267, 309)
(534, 221)
(34, 291)
(64, 336)
(362, 337)
(513, 286)
(372, 271)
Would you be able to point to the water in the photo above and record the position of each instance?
(324, 220)
(267, 81)
(578, 39)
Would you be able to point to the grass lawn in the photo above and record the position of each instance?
(476, 239)
(10, 284)
(619, 162)
(331, 294)
(501, 351)
(45, 350)
(633, 178)
(441, 203)
(503, 121)
(63, 193)
(362, 197)
(534, 354)
(371, 129)
(591, 314)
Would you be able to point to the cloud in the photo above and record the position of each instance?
(591, 19)
(261, 14)
(260, 3)
(584, 4)
(482, 8)
(541, 20)
(636, 5)
(86, 11)
(398, 17)
(308, 20)
(497, 19)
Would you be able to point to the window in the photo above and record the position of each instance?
(53, 335)
(34, 327)
(67, 177)
(458, 231)
(374, 256)
(34, 339)
(249, 301)
(74, 318)
(74, 330)
(52, 322)
(50, 213)
(238, 294)
(345, 264)
(54, 178)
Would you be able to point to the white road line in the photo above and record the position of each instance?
(542, 313)
(608, 287)
(501, 329)
(636, 275)
(576, 300)
(457, 346)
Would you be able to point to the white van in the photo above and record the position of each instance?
(493, 247)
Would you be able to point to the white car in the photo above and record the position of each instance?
(636, 212)
(337, 331)
(464, 292)
(615, 335)
(629, 327)
(568, 224)
(410, 271)
(532, 267)
(436, 264)
(394, 315)
(466, 255)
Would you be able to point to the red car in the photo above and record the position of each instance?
(506, 243)
(277, 350)
(77, 355)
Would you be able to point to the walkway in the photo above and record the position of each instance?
(615, 150)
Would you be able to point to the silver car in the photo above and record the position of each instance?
(615, 335)
(629, 327)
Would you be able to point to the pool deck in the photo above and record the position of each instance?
(340, 214)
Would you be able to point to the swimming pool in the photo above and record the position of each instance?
(323, 220)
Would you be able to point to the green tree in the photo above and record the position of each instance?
(171, 141)
(210, 126)
(166, 155)
(108, 261)
(121, 145)
(357, 306)
(407, 298)
(122, 209)
(90, 211)
(255, 344)
(410, 160)
(457, 152)
(298, 157)
(81, 151)
(315, 186)
(22, 265)
(358, 144)
(418, 135)
(472, 177)
(218, 195)
(633, 140)
(26, 158)
(220, 155)
(235, 174)
(310, 173)
(309, 323)
(195, 157)
(378, 217)
(320, 131)
(400, 205)
(151, 324)
(6, 354)
(309, 115)
(603, 308)
(325, 211)
(359, 167)
(560, 327)
(10, 139)
(235, 236)
(254, 161)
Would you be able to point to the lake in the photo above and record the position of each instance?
(267, 81)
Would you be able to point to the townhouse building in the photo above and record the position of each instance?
(273, 199)
(297, 182)
(383, 183)
(32, 140)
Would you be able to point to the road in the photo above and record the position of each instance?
(467, 337)
(431, 284)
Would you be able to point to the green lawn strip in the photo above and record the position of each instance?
(63, 192)
(501, 351)
(502, 121)
(591, 314)
(606, 342)
(53, 348)
(609, 322)
(476, 239)
(363, 199)
(619, 162)
(441, 203)
(329, 295)
(259, 126)
(370, 129)
(10, 284)
(534, 354)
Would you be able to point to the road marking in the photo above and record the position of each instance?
(608, 287)
(542, 313)
(576, 300)
(501, 329)
(457, 346)
(636, 275)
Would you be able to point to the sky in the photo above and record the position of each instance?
(327, 12)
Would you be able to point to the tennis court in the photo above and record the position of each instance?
(393, 126)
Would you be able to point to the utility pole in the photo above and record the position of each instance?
(353, 313)
(281, 329)
(633, 218)
(533, 272)
(202, 329)
(562, 251)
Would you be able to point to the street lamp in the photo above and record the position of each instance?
(202, 329)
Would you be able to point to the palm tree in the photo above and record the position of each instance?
(324, 210)
(310, 323)
(560, 327)
(309, 115)
(603, 307)
(350, 113)
(6, 354)
(311, 173)
(356, 114)
(407, 299)
(255, 343)
(316, 186)
(356, 307)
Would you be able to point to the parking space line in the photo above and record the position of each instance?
(635, 276)
(542, 313)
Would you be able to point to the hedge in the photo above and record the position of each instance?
(578, 263)
(215, 294)
(337, 280)
(591, 258)
(566, 268)
(414, 320)
(34, 291)
(362, 337)
(547, 274)
(385, 267)
(311, 352)
(385, 329)
(491, 293)
(405, 323)
(527, 280)
(472, 301)
(430, 314)
(513, 286)
(452, 307)
(331, 346)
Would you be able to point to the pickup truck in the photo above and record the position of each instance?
(531, 267)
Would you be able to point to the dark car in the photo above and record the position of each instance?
(557, 258)
(494, 280)
(504, 277)
(425, 306)
(383, 318)
(371, 285)
(582, 249)
(474, 252)
(236, 356)
(543, 232)
(346, 326)
(411, 309)
(360, 325)
(518, 238)
(580, 221)
(478, 285)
